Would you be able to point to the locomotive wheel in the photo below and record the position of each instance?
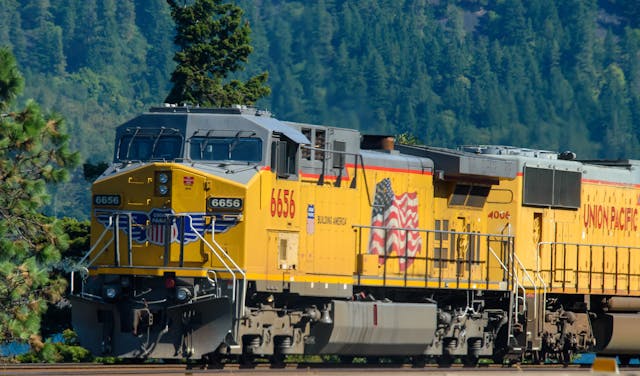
(246, 360)
(498, 358)
(346, 359)
(444, 360)
(470, 360)
(566, 357)
(536, 357)
(419, 361)
(277, 360)
(373, 359)
(624, 359)
(213, 360)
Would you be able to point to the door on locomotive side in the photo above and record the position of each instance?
(330, 203)
(281, 193)
(459, 226)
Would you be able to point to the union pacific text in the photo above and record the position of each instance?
(610, 217)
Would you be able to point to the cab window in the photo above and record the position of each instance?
(246, 149)
(145, 147)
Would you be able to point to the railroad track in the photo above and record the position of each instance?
(258, 368)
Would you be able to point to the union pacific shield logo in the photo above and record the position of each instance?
(162, 226)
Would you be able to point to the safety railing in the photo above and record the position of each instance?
(81, 264)
(581, 267)
(113, 226)
(447, 259)
(229, 264)
(451, 258)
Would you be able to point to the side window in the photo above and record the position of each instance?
(469, 195)
(320, 144)
(283, 158)
(338, 158)
(306, 152)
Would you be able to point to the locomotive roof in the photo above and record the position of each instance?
(460, 164)
(191, 120)
(616, 171)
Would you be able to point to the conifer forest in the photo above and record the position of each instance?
(548, 74)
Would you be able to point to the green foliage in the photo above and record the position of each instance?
(551, 74)
(11, 81)
(91, 171)
(407, 139)
(67, 351)
(213, 43)
(33, 153)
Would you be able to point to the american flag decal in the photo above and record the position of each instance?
(394, 212)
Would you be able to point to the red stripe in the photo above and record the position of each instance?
(391, 169)
(375, 315)
(604, 182)
(317, 176)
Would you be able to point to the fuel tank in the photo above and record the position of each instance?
(374, 328)
(623, 304)
(617, 333)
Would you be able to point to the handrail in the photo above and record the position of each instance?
(589, 244)
(515, 259)
(78, 265)
(97, 241)
(583, 247)
(535, 288)
(217, 254)
(431, 231)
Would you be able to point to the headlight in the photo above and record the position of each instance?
(110, 292)
(163, 190)
(163, 178)
(162, 183)
(183, 294)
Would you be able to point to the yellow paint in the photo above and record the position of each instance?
(275, 241)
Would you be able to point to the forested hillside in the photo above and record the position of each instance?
(551, 74)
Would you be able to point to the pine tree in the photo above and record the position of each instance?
(33, 153)
(213, 42)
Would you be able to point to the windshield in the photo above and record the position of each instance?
(246, 149)
(145, 147)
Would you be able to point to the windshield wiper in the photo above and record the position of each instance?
(236, 141)
(131, 142)
(155, 142)
(205, 143)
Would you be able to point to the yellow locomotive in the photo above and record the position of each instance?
(226, 232)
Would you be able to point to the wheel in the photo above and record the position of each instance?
(536, 357)
(277, 360)
(419, 361)
(373, 359)
(498, 357)
(212, 361)
(566, 357)
(470, 360)
(346, 359)
(246, 360)
(444, 361)
(624, 359)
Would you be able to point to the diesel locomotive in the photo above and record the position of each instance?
(222, 233)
